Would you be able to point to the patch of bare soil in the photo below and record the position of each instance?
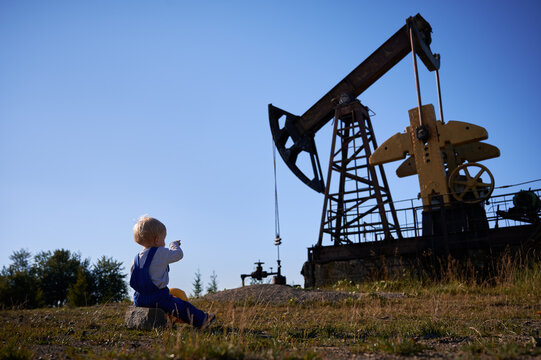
(281, 294)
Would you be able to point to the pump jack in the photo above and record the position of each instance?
(359, 214)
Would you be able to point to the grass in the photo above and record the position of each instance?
(454, 318)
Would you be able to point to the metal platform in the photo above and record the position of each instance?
(328, 264)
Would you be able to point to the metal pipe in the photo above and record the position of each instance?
(439, 90)
(412, 42)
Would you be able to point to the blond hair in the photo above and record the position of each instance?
(147, 230)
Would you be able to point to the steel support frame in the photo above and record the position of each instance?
(363, 190)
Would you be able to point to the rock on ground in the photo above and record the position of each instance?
(145, 318)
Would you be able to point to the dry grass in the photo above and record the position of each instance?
(448, 319)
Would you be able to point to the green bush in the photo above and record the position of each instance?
(60, 277)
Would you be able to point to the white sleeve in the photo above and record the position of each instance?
(174, 253)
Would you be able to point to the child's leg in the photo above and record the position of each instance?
(184, 311)
(182, 296)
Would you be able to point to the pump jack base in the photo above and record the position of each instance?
(377, 260)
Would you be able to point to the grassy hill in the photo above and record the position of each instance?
(384, 319)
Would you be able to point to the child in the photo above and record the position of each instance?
(150, 274)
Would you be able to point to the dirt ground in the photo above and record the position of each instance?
(282, 294)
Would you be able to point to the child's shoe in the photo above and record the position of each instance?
(209, 320)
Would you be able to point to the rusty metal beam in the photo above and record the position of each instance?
(370, 70)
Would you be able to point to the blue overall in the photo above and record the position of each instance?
(149, 295)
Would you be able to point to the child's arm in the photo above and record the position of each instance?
(174, 252)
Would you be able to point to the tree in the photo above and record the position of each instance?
(18, 286)
(79, 293)
(109, 280)
(213, 284)
(56, 272)
(21, 261)
(197, 285)
(59, 277)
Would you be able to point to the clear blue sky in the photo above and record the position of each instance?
(114, 109)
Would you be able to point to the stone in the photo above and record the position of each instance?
(145, 318)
